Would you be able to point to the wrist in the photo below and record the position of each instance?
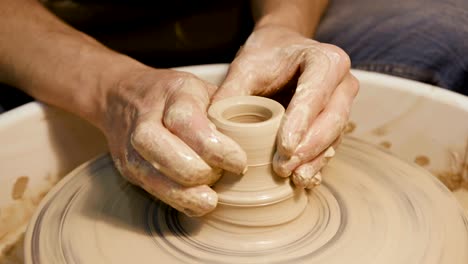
(103, 76)
(278, 22)
(272, 35)
(75, 76)
(55, 63)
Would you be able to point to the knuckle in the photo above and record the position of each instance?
(174, 84)
(141, 134)
(170, 119)
(337, 54)
(180, 80)
(178, 117)
(137, 135)
(247, 69)
(191, 80)
(184, 75)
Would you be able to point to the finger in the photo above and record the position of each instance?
(186, 117)
(284, 167)
(308, 175)
(331, 122)
(193, 201)
(246, 76)
(322, 70)
(311, 182)
(170, 155)
(326, 128)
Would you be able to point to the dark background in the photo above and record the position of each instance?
(163, 34)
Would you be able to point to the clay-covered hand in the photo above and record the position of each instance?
(319, 109)
(161, 139)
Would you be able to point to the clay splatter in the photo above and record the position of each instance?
(386, 144)
(19, 187)
(349, 128)
(453, 181)
(422, 160)
(380, 131)
(456, 176)
(13, 254)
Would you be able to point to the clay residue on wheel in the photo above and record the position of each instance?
(386, 144)
(453, 181)
(456, 176)
(380, 131)
(349, 128)
(19, 187)
(15, 217)
(422, 160)
(13, 254)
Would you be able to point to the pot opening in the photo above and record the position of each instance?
(245, 113)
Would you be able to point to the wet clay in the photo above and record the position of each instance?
(349, 128)
(370, 208)
(13, 254)
(456, 176)
(19, 187)
(386, 144)
(422, 160)
(258, 198)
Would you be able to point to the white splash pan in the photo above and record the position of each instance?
(44, 143)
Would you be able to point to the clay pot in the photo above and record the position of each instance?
(259, 197)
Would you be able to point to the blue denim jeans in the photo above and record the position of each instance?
(423, 40)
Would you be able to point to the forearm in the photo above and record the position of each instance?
(302, 16)
(54, 62)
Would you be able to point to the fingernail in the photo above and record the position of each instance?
(315, 181)
(200, 203)
(289, 143)
(306, 181)
(293, 127)
(299, 180)
(233, 157)
(209, 200)
(235, 162)
(284, 166)
(303, 175)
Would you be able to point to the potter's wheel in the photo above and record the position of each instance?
(371, 208)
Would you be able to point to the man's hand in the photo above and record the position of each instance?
(318, 111)
(161, 139)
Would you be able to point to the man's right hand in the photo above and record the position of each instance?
(155, 120)
(161, 139)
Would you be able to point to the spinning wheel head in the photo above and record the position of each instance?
(371, 208)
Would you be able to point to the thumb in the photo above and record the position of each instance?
(239, 81)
